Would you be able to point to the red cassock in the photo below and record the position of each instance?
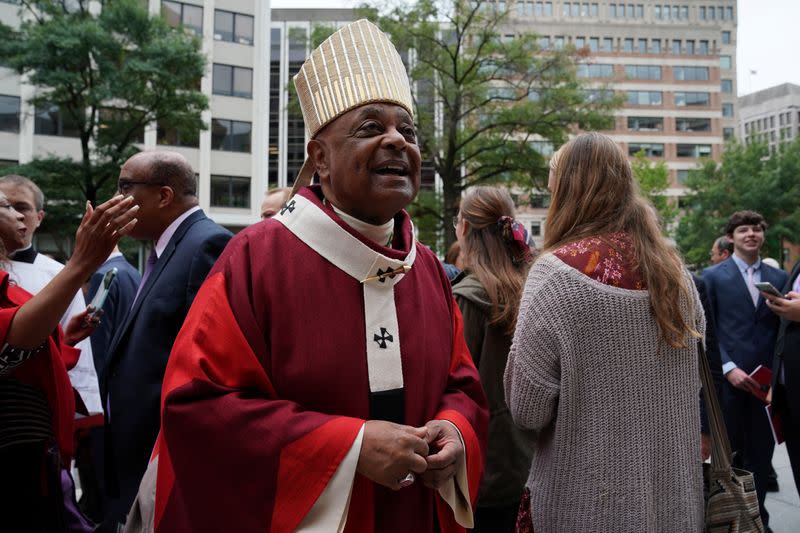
(268, 383)
(46, 370)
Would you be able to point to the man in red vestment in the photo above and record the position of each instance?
(321, 381)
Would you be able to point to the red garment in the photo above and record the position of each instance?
(608, 259)
(267, 388)
(46, 370)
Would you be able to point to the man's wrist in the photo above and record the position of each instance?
(727, 367)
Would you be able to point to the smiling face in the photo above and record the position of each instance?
(747, 240)
(368, 161)
(13, 230)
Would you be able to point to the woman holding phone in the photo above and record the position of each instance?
(604, 363)
(36, 399)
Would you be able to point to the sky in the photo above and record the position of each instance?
(768, 38)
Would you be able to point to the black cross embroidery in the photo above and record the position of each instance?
(287, 207)
(383, 274)
(383, 338)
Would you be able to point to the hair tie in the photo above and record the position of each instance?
(516, 236)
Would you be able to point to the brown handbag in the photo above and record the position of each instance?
(731, 502)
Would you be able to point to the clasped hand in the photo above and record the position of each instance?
(390, 451)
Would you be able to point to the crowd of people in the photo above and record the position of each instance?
(323, 370)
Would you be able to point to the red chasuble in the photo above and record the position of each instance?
(46, 370)
(269, 383)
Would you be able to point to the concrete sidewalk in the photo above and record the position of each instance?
(783, 506)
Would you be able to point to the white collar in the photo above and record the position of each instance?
(381, 235)
(166, 235)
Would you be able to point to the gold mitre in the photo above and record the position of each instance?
(356, 65)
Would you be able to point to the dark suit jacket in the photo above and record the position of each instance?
(140, 348)
(712, 349)
(787, 356)
(746, 333)
(118, 303)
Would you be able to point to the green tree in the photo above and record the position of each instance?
(653, 178)
(109, 73)
(484, 93)
(749, 177)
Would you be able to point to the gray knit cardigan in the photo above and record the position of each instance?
(617, 411)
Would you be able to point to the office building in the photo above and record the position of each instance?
(675, 64)
(771, 115)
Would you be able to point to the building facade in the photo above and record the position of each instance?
(675, 63)
(770, 116)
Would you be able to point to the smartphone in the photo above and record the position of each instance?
(102, 291)
(769, 288)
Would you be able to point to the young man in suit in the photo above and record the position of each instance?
(786, 367)
(746, 329)
(186, 244)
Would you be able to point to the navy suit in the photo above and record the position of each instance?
(786, 395)
(746, 335)
(90, 457)
(139, 351)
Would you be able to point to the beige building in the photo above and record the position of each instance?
(229, 157)
(771, 116)
(675, 63)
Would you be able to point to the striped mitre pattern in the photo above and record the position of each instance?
(356, 65)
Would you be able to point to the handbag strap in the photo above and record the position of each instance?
(720, 445)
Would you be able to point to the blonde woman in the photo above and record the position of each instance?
(604, 361)
(496, 258)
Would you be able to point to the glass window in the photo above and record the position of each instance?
(174, 137)
(548, 9)
(642, 46)
(180, 14)
(230, 191)
(232, 81)
(701, 13)
(575, 9)
(544, 43)
(594, 44)
(683, 175)
(607, 45)
(565, 9)
(559, 42)
(693, 124)
(9, 113)
(643, 72)
(676, 12)
(655, 46)
(223, 25)
(580, 42)
(725, 62)
(627, 45)
(693, 150)
(230, 135)
(711, 13)
(728, 13)
(702, 48)
(244, 25)
(772, 121)
(696, 99)
(676, 46)
(684, 12)
(51, 121)
(690, 73)
(657, 12)
(690, 46)
(727, 133)
(652, 98)
(726, 86)
(649, 149)
(594, 10)
(595, 71)
(645, 123)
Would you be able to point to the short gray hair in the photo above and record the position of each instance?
(21, 181)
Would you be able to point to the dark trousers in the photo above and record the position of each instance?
(790, 422)
(496, 519)
(750, 436)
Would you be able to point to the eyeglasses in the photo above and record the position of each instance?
(455, 221)
(124, 186)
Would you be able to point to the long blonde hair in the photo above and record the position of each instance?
(489, 256)
(595, 194)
